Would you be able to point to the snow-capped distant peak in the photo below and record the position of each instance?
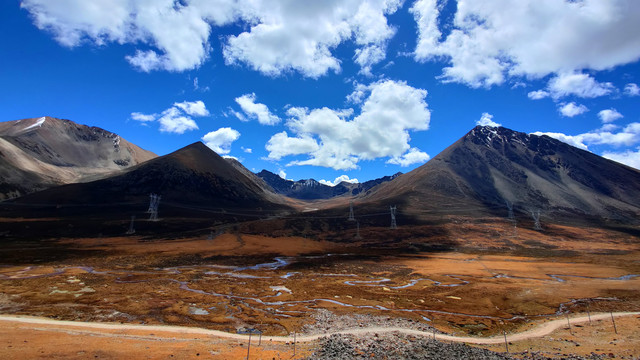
(37, 124)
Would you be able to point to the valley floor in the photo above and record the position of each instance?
(492, 281)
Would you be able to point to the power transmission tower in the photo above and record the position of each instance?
(153, 206)
(392, 209)
(351, 217)
(510, 207)
(358, 230)
(511, 216)
(152, 198)
(536, 218)
(131, 230)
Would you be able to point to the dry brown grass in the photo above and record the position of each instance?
(502, 276)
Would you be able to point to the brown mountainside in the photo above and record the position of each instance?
(489, 167)
(192, 176)
(38, 153)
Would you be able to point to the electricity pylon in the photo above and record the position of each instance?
(351, 217)
(392, 209)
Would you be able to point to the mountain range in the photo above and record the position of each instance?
(485, 173)
(310, 189)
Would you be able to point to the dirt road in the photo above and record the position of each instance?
(107, 329)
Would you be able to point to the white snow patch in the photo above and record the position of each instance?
(36, 124)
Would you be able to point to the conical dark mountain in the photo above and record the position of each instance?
(490, 166)
(39, 153)
(192, 176)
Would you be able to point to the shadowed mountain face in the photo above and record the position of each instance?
(310, 189)
(191, 176)
(39, 153)
(489, 167)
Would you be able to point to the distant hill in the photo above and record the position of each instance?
(310, 189)
(490, 167)
(39, 153)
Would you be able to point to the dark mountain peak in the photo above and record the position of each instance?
(519, 147)
(197, 158)
(493, 136)
(268, 173)
(47, 125)
(197, 146)
(310, 182)
(197, 149)
(279, 185)
(193, 175)
(491, 165)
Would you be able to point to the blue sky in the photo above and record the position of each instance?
(327, 89)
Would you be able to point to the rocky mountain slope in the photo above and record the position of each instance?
(38, 153)
(490, 169)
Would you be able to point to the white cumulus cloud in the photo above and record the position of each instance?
(276, 36)
(538, 94)
(487, 120)
(194, 108)
(281, 145)
(173, 121)
(577, 84)
(300, 35)
(339, 140)
(256, 110)
(572, 109)
(609, 115)
(221, 139)
(176, 119)
(338, 180)
(491, 40)
(628, 136)
(632, 89)
(137, 116)
(178, 33)
(568, 139)
(629, 157)
(413, 156)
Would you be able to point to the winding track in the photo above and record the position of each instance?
(95, 328)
